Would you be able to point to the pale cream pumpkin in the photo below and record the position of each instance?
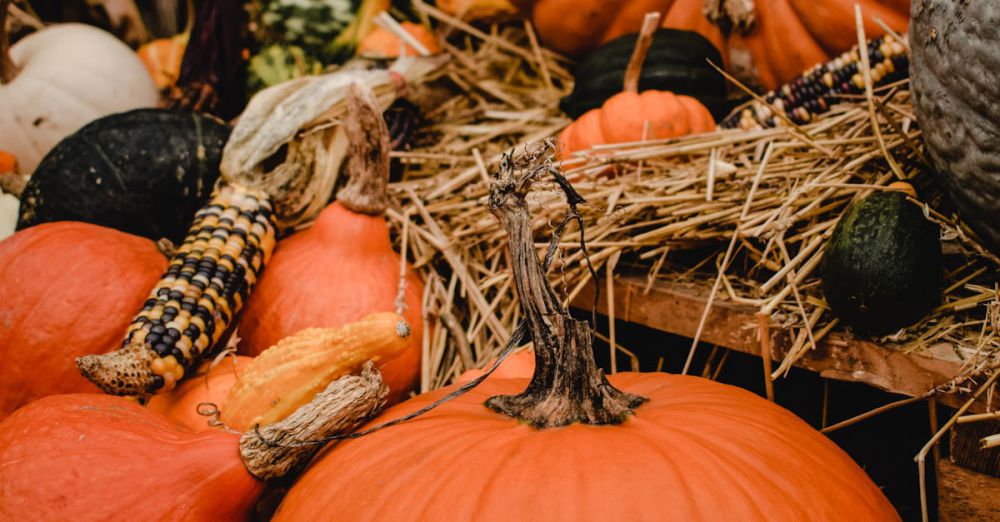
(64, 76)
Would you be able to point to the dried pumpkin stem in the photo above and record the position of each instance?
(275, 450)
(567, 385)
(633, 71)
(368, 165)
(7, 68)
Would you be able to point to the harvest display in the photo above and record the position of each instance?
(234, 232)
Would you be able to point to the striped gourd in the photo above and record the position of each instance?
(209, 278)
(819, 88)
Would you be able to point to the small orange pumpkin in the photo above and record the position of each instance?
(163, 57)
(632, 116)
(479, 10)
(382, 43)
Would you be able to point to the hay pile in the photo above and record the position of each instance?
(743, 214)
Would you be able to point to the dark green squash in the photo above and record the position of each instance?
(882, 267)
(955, 71)
(144, 172)
(677, 62)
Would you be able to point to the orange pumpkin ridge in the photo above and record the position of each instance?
(68, 289)
(671, 447)
(344, 267)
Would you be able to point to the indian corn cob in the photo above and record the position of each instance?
(818, 88)
(209, 278)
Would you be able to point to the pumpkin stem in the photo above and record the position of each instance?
(7, 68)
(278, 449)
(368, 164)
(634, 68)
(567, 385)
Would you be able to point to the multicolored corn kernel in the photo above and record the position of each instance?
(208, 279)
(820, 87)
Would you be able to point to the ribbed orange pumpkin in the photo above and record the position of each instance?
(575, 445)
(789, 37)
(181, 403)
(623, 119)
(98, 457)
(344, 267)
(162, 58)
(68, 289)
(699, 450)
(632, 116)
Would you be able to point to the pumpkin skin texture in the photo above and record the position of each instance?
(181, 403)
(98, 457)
(68, 289)
(954, 68)
(699, 450)
(622, 119)
(145, 172)
(68, 75)
(337, 272)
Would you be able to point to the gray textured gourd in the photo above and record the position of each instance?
(955, 72)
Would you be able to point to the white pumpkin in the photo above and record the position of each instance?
(67, 75)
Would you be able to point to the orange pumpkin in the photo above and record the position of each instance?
(181, 403)
(381, 43)
(478, 10)
(68, 289)
(344, 267)
(789, 36)
(576, 445)
(623, 119)
(163, 58)
(632, 116)
(699, 450)
(100, 457)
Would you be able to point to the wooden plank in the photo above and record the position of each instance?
(966, 496)
(676, 308)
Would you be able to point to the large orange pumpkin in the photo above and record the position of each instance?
(100, 457)
(68, 289)
(576, 445)
(699, 450)
(344, 267)
(789, 36)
